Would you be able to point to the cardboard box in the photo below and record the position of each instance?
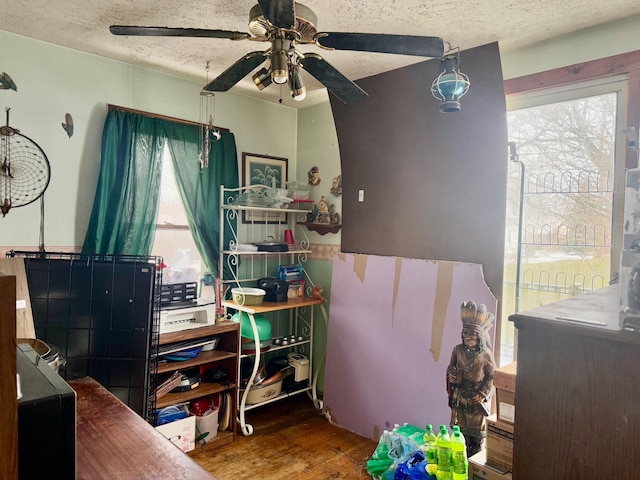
(182, 433)
(479, 470)
(506, 401)
(504, 379)
(499, 444)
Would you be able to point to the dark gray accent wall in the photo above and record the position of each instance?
(434, 183)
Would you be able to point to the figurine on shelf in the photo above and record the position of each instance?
(316, 292)
(312, 215)
(324, 216)
(470, 376)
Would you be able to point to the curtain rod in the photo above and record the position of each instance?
(163, 117)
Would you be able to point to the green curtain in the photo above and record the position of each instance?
(125, 207)
(200, 190)
(123, 219)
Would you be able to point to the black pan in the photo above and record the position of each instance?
(272, 246)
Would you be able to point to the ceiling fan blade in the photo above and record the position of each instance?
(235, 72)
(176, 32)
(383, 43)
(280, 13)
(336, 83)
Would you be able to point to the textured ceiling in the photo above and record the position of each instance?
(84, 25)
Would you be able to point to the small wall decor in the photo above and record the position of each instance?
(323, 211)
(264, 170)
(322, 218)
(7, 83)
(314, 176)
(67, 125)
(24, 170)
(267, 171)
(336, 186)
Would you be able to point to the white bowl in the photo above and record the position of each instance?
(248, 296)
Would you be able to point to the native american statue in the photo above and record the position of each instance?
(470, 376)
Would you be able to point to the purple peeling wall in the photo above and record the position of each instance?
(393, 324)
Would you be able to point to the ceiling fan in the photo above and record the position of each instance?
(286, 24)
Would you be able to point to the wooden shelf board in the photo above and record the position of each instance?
(191, 333)
(203, 390)
(201, 359)
(274, 306)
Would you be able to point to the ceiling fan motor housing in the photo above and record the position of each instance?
(305, 24)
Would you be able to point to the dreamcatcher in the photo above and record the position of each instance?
(24, 172)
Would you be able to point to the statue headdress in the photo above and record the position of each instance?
(477, 318)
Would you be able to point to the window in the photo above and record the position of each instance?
(563, 220)
(173, 240)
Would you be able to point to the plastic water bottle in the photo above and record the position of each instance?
(443, 446)
(459, 462)
(430, 450)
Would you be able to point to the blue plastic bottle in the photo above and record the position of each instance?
(443, 444)
(459, 462)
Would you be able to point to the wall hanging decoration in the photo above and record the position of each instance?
(67, 125)
(266, 171)
(314, 176)
(6, 83)
(336, 186)
(24, 173)
(208, 133)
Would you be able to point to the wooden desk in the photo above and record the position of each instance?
(577, 391)
(113, 442)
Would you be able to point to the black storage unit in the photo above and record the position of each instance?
(102, 312)
(46, 419)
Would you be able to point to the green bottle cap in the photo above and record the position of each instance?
(456, 428)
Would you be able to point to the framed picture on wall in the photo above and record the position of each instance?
(268, 171)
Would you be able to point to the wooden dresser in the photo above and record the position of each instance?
(115, 443)
(8, 397)
(577, 391)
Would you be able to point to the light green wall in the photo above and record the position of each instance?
(604, 41)
(318, 146)
(53, 80)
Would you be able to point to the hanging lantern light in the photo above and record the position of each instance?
(451, 84)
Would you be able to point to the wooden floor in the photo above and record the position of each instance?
(291, 439)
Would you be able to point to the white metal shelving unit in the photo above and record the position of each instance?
(248, 224)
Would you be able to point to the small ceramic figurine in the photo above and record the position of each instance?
(324, 215)
(314, 176)
(470, 376)
(316, 292)
(336, 186)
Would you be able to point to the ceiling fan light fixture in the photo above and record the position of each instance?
(262, 78)
(450, 85)
(296, 85)
(279, 71)
(279, 60)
